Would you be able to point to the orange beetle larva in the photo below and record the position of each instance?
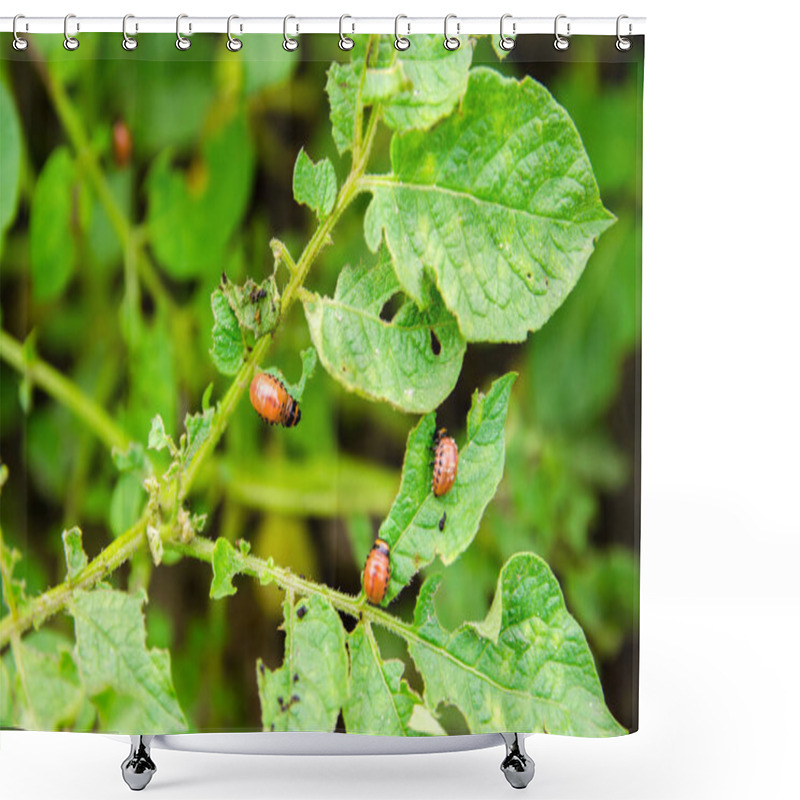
(272, 402)
(445, 463)
(377, 572)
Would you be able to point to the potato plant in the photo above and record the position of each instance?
(456, 215)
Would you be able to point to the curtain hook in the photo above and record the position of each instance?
(506, 42)
(561, 42)
(345, 42)
(623, 43)
(401, 42)
(70, 42)
(289, 44)
(234, 44)
(451, 42)
(19, 43)
(182, 43)
(128, 42)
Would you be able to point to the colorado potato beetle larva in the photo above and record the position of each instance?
(377, 572)
(272, 402)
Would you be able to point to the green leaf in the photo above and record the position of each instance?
(433, 81)
(227, 342)
(307, 691)
(52, 234)
(412, 361)
(134, 458)
(111, 653)
(314, 185)
(296, 390)
(159, 439)
(213, 195)
(412, 529)
(342, 88)
(525, 667)
(225, 564)
(127, 501)
(10, 159)
(415, 88)
(255, 305)
(73, 551)
(384, 704)
(52, 694)
(498, 204)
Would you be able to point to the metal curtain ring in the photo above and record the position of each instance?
(18, 43)
(234, 44)
(401, 42)
(345, 42)
(181, 42)
(289, 44)
(506, 42)
(70, 42)
(128, 42)
(623, 43)
(451, 42)
(561, 42)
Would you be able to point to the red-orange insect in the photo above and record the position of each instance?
(377, 572)
(272, 402)
(122, 142)
(445, 462)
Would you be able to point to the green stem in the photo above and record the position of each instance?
(46, 605)
(65, 391)
(202, 549)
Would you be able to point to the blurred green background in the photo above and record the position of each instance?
(114, 292)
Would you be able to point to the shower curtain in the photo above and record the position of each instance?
(319, 385)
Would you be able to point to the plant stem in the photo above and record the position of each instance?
(65, 391)
(202, 549)
(43, 607)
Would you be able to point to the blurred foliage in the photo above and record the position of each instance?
(114, 291)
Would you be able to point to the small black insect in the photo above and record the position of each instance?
(301, 612)
(442, 521)
(224, 277)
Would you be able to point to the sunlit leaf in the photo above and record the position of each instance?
(412, 360)
(307, 691)
(525, 667)
(383, 703)
(420, 525)
(314, 185)
(111, 653)
(498, 202)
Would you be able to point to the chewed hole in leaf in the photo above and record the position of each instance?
(392, 306)
(436, 345)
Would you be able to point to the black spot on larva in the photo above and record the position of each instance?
(224, 277)
(436, 345)
(529, 276)
(301, 612)
(261, 668)
(280, 701)
(295, 698)
(295, 677)
(442, 521)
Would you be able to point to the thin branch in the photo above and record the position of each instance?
(65, 391)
